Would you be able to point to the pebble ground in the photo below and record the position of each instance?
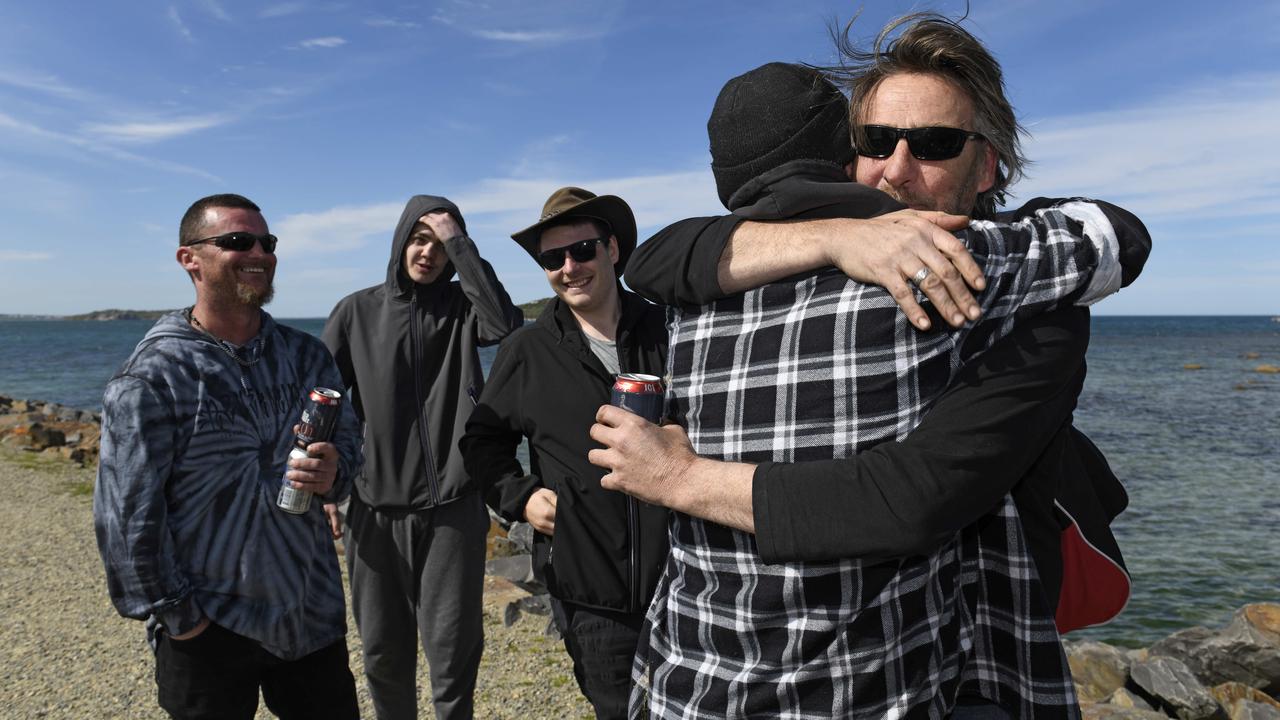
(65, 653)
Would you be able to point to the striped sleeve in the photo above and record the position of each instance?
(130, 511)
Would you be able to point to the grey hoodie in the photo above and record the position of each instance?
(407, 353)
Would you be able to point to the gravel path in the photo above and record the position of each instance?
(65, 653)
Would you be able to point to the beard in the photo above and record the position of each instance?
(225, 290)
(256, 298)
(960, 200)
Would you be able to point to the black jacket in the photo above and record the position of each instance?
(407, 353)
(546, 385)
(1004, 425)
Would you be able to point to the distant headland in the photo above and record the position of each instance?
(530, 309)
(112, 314)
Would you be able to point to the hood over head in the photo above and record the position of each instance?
(398, 282)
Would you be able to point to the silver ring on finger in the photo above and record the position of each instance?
(920, 275)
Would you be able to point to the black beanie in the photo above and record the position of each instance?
(774, 114)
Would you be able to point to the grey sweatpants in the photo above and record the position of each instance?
(424, 570)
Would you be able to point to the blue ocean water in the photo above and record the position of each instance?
(1198, 450)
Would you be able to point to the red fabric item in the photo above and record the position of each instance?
(1095, 588)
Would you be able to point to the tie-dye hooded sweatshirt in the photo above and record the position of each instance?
(194, 446)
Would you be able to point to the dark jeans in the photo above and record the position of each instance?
(217, 675)
(602, 644)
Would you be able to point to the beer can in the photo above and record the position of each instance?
(292, 499)
(319, 418)
(640, 394)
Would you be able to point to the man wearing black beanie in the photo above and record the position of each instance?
(817, 369)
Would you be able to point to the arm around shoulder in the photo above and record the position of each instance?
(974, 445)
(679, 264)
(1134, 239)
(1132, 236)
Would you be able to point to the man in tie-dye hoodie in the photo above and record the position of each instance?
(239, 595)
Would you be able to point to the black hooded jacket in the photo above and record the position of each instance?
(407, 353)
(546, 385)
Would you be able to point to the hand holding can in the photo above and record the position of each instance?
(319, 418)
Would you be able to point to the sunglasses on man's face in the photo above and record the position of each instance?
(926, 143)
(581, 251)
(241, 241)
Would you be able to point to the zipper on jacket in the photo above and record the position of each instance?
(633, 511)
(423, 436)
(633, 530)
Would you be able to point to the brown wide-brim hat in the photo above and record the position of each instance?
(574, 202)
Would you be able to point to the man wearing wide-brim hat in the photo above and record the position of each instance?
(599, 552)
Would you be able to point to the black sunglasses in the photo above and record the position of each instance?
(581, 251)
(241, 241)
(926, 143)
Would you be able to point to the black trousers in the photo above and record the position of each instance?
(602, 644)
(217, 674)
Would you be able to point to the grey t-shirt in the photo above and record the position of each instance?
(606, 350)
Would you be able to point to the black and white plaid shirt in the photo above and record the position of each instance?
(822, 368)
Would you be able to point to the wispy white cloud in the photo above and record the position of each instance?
(36, 190)
(543, 24)
(143, 132)
(547, 37)
(11, 124)
(391, 23)
(331, 41)
(542, 157)
(335, 230)
(214, 8)
(657, 200)
(344, 248)
(497, 207)
(176, 19)
(281, 10)
(43, 83)
(1209, 151)
(23, 256)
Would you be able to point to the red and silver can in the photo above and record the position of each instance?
(640, 394)
(319, 417)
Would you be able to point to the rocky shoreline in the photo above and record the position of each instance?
(1231, 673)
(65, 652)
(51, 429)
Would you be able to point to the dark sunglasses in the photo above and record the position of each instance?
(926, 143)
(581, 251)
(241, 241)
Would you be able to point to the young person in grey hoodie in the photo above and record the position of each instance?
(197, 425)
(416, 524)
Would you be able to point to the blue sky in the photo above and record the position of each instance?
(114, 117)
